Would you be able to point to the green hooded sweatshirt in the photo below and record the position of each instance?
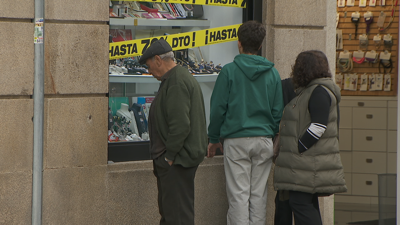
(247, 99)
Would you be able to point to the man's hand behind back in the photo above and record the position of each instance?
(212, 149)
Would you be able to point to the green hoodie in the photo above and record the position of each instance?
(247, 99)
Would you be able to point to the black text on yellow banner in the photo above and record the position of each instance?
(180, 41)
(230, 3)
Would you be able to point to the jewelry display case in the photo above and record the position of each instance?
(367, 48)
(125, 87)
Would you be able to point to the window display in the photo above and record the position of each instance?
(203, 39)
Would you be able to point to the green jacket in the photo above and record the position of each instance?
(319, 169)
(247, 99)
(180, 118)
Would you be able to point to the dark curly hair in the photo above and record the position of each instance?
(251, 35)
(309, 65)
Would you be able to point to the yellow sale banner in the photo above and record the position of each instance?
(179, 41)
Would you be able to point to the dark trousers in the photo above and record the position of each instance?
(283, 212)
(305, 208)
(175, 192)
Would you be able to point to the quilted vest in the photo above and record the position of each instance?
(319, 169)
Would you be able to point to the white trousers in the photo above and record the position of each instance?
(247, 163)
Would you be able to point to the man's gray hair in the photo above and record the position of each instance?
(168, 55)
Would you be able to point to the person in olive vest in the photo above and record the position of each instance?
(309, 163)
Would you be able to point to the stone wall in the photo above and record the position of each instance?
(16, 88)
(75, 129)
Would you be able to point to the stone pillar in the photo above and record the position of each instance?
(293, 27)
(75, 129)
(296, 26)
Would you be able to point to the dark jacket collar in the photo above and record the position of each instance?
(167, 74)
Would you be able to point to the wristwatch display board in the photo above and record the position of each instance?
(368, 36)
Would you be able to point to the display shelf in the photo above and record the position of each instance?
(150, 79)
(158, 22)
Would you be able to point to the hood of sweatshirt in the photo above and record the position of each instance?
(252, 65)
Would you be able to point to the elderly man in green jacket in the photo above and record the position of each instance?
(178, 136)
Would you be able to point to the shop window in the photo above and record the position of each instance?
(132, 89)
